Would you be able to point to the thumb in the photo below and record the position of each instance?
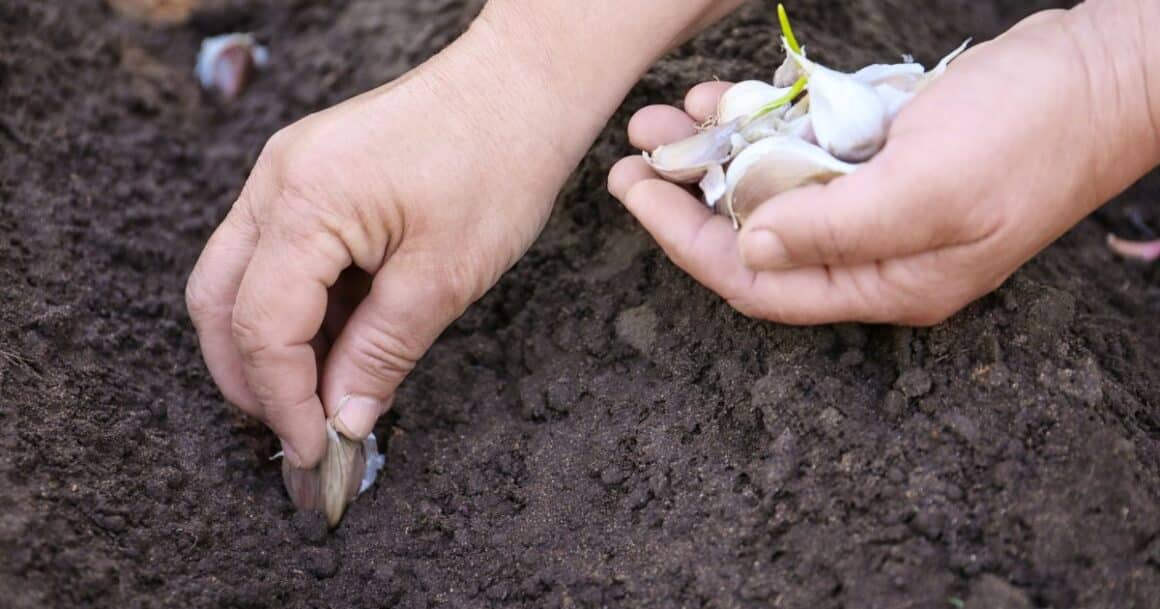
(892, 207)
(409, 305)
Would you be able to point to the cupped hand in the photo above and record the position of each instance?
(1019, 140)
(362, 232)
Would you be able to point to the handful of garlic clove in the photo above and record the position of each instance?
(347, 469)
(810, 125)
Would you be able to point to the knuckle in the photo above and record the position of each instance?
(385, 356)
(251, 342)
(198, 301)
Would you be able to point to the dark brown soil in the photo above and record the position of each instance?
(599, 431)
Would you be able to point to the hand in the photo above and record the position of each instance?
(363, 231)
(1009, 149)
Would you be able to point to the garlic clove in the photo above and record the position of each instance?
(745, 98)
(1144, 251)
(850, 120)
(894, 99)
(343, 473)
(229, 62)
(687, 161)
(774, 166)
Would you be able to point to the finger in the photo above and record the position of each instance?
(705, 246)
(701, 101)
(412, 300)
(626, 173)
(280, 309)
(210, 295)
(892, 207)
(655, 126)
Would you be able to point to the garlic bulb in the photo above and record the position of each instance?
(773, 166)
(687, 161)
(347, 469)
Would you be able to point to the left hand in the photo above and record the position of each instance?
(998, 158)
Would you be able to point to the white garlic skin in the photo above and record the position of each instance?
(687, 161)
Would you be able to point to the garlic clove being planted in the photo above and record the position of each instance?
(774, 166)
(849, 118)
(745, 98)
(346, 470)
(229, 62)
(688, 160)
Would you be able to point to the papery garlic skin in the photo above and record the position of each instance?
(774, 166)
(688, 160)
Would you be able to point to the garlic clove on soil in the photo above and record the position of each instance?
(773, 166)
(1144, 251)
(347, 469)
(229, 62)
(849, 117)
(745, 98)
(688, 160)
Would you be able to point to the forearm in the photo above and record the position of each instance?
(584, 57)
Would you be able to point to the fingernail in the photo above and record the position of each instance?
(357, 415)
(289, 455)
(761, 249)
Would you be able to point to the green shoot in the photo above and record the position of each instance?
(956, 602)
(794, 91)
(786, 30)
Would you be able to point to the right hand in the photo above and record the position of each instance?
(421, 188)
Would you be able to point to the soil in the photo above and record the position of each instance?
(598, 431)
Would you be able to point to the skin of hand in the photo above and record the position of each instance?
(1017, 142)
(364, 230)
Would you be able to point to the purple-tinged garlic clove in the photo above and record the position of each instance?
(688, 160)
(347, 469)
(228, 63)
(774, 166)
(1144, 251)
